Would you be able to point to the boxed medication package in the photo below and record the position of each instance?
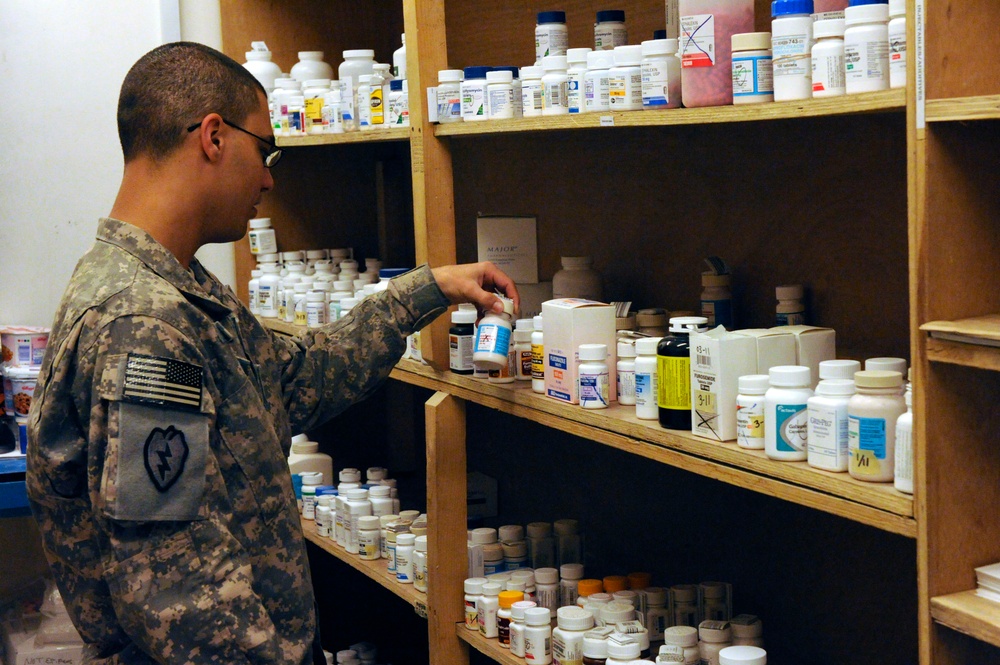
(718, 360)
(774, 347)
(570, 322)
(511, 243)
(812, 345)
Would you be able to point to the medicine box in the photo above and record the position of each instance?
(718, 359)
(774, 347)
(570, 322)
(510, 243)
(532, 297)
(20, 649)
(812, 345)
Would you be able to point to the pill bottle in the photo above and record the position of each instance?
(493, 558)
(449, 95)
(399, 104)
(525, 576)
(661, 74)
(742, 655)
(311, 66)
(838, 369)
(554, 85)
(871, 426)
(827, 429)
(358, 506)
(567, 638)
(473, 592)
(617, 611)
(626, 373)
(685, 637)
(323, 515)
(673, 361)
(622, 649)
(646, 378)
(657, 616)
(753, 77)
(596, 81)
(717, 300)
(866, 47)
(828, 59)
(333, 110)
(577, 279)
(707, 29)
(523, 330)
(570, 575)
(370, 537)
(538, 635)
(538, 357)
(716, 601)
(487, 607)
(594, 386)
(259, 64)
(531, 91)
(887, 365)
(791, 311)
(310, 481)
(750, 411)
(791, 45)
(547, 587)
(586, 588)
(541, 546)
(713, 637)
(517, 626)
(903, 468)
(267, 304)
(342, 522)
(314, 93)
(506, 600)
(379, 97)
(300, 316)
(748, 630)
(384, 522)
(499, 95)
(653, 321)
(515, 555)
(897, 43)
(317, 309)
(595, 645)
(261, 236)
(473, 88)
(551, 35)
(253, 291)
(576, 61)
(461, 339)
(786, 412)
(609, 30)
(625, 79)
(493, 337)
(356, 63)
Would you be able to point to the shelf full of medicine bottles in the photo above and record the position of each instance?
(375, 136)
(870, 102)
(376, 570)
(970, 614)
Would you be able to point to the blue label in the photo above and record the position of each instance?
(752, 76)
(871, 435)
(643, 386)
(559, 362)
(492, 338)
(792, 427)
(654, 102)
(559, 395)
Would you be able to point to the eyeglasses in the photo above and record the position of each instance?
(270, 157)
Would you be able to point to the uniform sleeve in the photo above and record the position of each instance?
(179, 583)
(327, 370)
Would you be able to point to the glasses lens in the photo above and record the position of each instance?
(272, 158)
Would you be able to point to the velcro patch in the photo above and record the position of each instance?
(161, 382)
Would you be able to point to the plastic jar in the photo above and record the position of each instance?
(259, 64)
(871, 428)
(567, 638)
(317, 309)
(685, 637)
(897, 43)
(531, 91)
(500, 95)
(594, 388)
(791, 311)
(404, 559)
(596, 81)
(506, 600)
(305, 456)
(270, 282)
(551, 35)
(370, 538)
(828, 58)
(748, 630)
(577, 279)
(493, 337)
(547, 587)
(625, 79)
(673, 361)
(753, 72)
(791, 45)
(473, 592)
(661, 74)
(311, 66)
(742, 655)
(626, 373)
(538, 357)
(866, 47)
(518, 626)
(903, 468)
(538, 635)
(261, 236)
(786, 412)
(358, 506)
(554, 85)
(827, 429)
(523, 330)
(461, 340)
(714, 636)
(717, 300)
(646, 378)
(707, 29)
(609, 30)
(750, 411)
(356, 63)
(576, 60)
(449, 95)
(570, 575)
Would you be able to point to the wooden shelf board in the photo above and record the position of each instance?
(980, 107)
(488, 646)
(873, 102)
(959, 353)
(374, 136)
(375, 570)
(970, 614)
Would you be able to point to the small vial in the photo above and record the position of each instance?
(646, 383)
(828, 59)
(786, 413)
(594, 388)
(625, 79)
(827, 429)
(866, 47)
(750, 411)
(473, 592)
(609, 30)
(753, 74)
(626, 373)
(487, 607)
(790, 311)
(551, 35)
(538, 635)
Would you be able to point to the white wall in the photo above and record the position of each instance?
(61, 67)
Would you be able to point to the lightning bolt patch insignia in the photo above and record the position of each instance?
(166, 451)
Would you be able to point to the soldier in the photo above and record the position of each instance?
(159, 433)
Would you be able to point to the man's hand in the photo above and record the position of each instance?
(474, 283)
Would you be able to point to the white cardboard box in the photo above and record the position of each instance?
(812, 345)
(718, 359)
(20, 649)
(532, 297)
(512, 244)
(570, 322)
(775, 346)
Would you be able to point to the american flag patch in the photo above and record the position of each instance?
(161, 381)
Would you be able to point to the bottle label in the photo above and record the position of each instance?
(867, 61)
(752, 75)
(904, 453)
(791, 421)
(574, 93)
(524, 365)
(626, 387)
(750, 425)
(655, 82)
(827, 436)
(608, 37)
(377, 104)
(491, 338)
(471, 615)
(790, 319)
(501, 103)
(867, 442)
(791, 55)
(537, 649)
(594, 390)
(828, 73)
(645, 389)
(537, 361)
(473, 101)
(460, 352)
(674, 378)
(698, 40)
(566, 653)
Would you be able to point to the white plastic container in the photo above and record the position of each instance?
(713, 637)
(626, 373)
(596, 81)
(625, 79)
(554, 85)
(750, 411)
(473, 592)
(531, 91)
(753, 78)
(449, 95)
(661, 74)
(707, 29)
(356, 62)
(253, 291)
(646, 379)
(897, 43)
(538, 636)
(609, 30)
(786, 413)
(493, 337)
(362, 92)
(827, 430)
(259, 64)
(487, 607)
(262, 237)
(399, 59)
(838, 369)
(866, 48)
(398, 104)
(517, 626)
(547, 586)
(310, 481)
(317, 309)
(311, 66)
(551, 35)
(791, 46)
(576, 60)
(538, 357)
(270, 282)
(872, 414)
(593, 377)
(500, 95)
(903, 468)
(567, 638)
(305, 456)
(743, 655)
(404, 560)
(828, 58)
(369, 538)
(577, 279)
(314, 93)
(474, 94)
(357, 506)
(523, 330)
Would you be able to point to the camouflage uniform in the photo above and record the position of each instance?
(158, 438)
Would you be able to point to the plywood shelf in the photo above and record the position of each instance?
(972, 342)
(979, 107)
(374, 136)
(960, 353)
(376, 570)
(488, 646)
(874, 102)
(969, 613)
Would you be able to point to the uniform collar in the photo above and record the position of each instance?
(197, 284)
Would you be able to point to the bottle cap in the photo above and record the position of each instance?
(749, 41)
(866, 11)
(577, 56)
(682, 636)
(791, 7)
(518, 608)
(596, 352)
(478, 72)
(835, 387)
(628, 596)
(626, 350)
(516, 584)
(878, 379)
(508, 598)
(595, 643)
(507, 68)
(687, 324)
(311, 55)
(897, 8)
(646, 346)
(611, 15)
(546, 575)
(311, 478)
(495, 77)
(525, 574)
(489, 589)
(753, 384)
(628, 56)
(714, 590)
(260, 223)
(531, 72)
(838, 369)
(316, 83)
(714, 631)
(828, 27)
(790, 376)
(639, 580)
(746, 626)
(574, 618)
(474, 585)
(789, 292)
(538, 323)
(357, 495)
(551, 17)
(552, 63)
(571, 571)
(369, 522)
(742, 655)
(617, 610)
(358, 53)
(623, 647)
(601, 598)
(510, 533)
(656, 595)
(463, 316)
(685, 592)
(537, 616)
(539, 529)
(601, 60)
(589, 587)
(887, 364)
(349, 475)
(614, 583)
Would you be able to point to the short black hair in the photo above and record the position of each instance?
(175, 85)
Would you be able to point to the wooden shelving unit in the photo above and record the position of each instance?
(955, 109)
(486, 646)
(970, 614)
(374, 136)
